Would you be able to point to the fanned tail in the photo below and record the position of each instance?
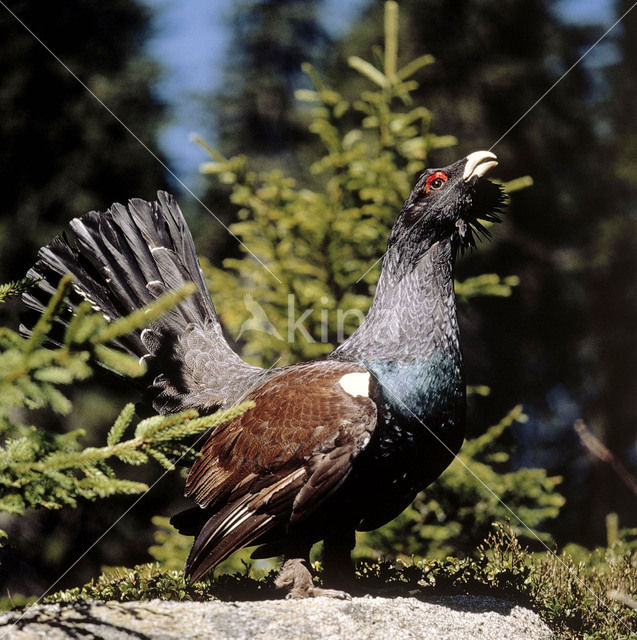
(125, 258)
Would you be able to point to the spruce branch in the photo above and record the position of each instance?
(118, 362)
(16, 288)
(83, 324)
(49, 473)
(369, 70)
(120, 425)
(45, 322)
(144, 316)
(415, 65)
(391, 38)
(486, 284)
(43, 470)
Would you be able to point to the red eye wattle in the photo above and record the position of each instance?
(435, 181)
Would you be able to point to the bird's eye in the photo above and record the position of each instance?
(436, 181)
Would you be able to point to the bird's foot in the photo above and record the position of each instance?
(296, 577)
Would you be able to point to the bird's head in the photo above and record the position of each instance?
(450, 203)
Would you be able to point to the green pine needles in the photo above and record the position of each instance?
(15, 288)
(43, 470)
(40, 471)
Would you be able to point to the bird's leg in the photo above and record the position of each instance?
(296, 577)
(338, 568)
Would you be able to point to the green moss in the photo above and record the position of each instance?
(150, 581)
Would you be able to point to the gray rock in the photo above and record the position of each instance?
(447, 617)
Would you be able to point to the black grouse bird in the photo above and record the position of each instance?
(332, 446)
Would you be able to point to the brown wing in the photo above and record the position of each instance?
(281, 460)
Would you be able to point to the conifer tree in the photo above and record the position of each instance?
(270, 40)
(62, 153)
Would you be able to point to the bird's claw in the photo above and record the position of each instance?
(295, 576)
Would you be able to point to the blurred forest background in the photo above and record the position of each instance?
(562, 345)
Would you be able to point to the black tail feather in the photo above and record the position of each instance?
(217, 540)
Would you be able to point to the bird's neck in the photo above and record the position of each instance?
(413, 314)
(410, 343)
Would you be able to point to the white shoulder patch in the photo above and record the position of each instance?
(356, 384)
